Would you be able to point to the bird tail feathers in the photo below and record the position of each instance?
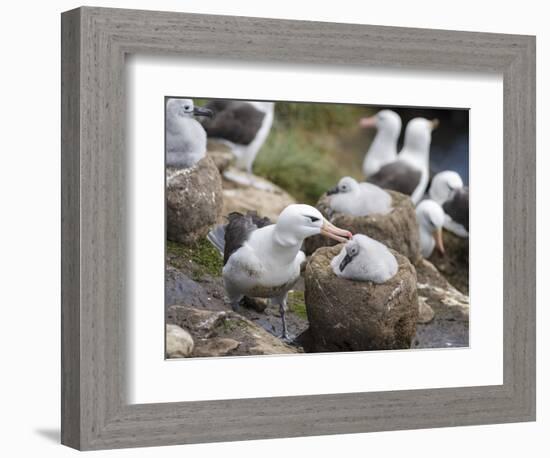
(217, 237)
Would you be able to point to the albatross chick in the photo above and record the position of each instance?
(365, 259)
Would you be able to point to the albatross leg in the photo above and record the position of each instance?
(235, 301)
(282, 301)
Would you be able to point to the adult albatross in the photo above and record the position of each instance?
(185, 137)
(383, 148)
(409, 173)
(241, 125)
(430, 218)
(448, 190)
(263, 259)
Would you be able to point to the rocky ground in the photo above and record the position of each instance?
(200, 323)
(195, 302)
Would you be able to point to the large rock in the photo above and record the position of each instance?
(449, 325)
(397, 230)
(455, 263)
(179, 343)
(243, 192)
(222, 159)
(347, 315)
(194, 200)
(225, 333)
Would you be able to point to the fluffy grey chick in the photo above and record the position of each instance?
(365, 259)
(359, 199)
(185, 136)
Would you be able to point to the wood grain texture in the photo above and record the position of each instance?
(95, 413)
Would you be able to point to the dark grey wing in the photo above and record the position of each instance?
(397, 176)
(458, 207)
(238, 229)
(238, 122)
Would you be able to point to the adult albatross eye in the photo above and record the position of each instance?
(313, 218)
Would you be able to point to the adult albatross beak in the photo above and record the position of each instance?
(368, 123)
(331, 231)
(201, 111)
(438, 237)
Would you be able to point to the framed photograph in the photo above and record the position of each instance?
(267, 228)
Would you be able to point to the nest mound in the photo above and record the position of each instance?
(347, 315)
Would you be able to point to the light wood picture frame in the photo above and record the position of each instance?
(95, 412)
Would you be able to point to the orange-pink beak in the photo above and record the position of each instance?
(331, 231)
(368, 123)
(438, 237)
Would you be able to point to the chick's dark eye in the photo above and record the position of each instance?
(313, 218)
(186, 107)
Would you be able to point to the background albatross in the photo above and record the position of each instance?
(263, 259)
(241, 125)
(409, 173)
(383, 148)
(185, 137)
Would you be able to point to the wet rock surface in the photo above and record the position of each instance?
(397, 230)
(346, 315)
(454, 265)
(451, 321)
(193, 200)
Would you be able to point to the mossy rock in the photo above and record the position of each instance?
(397, 230)
(346, 315)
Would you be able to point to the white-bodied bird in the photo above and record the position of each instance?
(448, 190)
(409, 173)
(359, 199)
(185, 137)
(365, 259)
(430, 218)
(383, 148)
(263, 259)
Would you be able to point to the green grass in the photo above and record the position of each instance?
(312, 146)
(297, 303)
(205, 258)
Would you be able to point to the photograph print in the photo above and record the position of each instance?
(300, 227)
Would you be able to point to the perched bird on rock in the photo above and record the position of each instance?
(409, 173)
(185, 137)
(359, 199)
(263, 259)
(430, 217)
(383, 148)
(448, 190)
(242, 125)
(365, 259)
